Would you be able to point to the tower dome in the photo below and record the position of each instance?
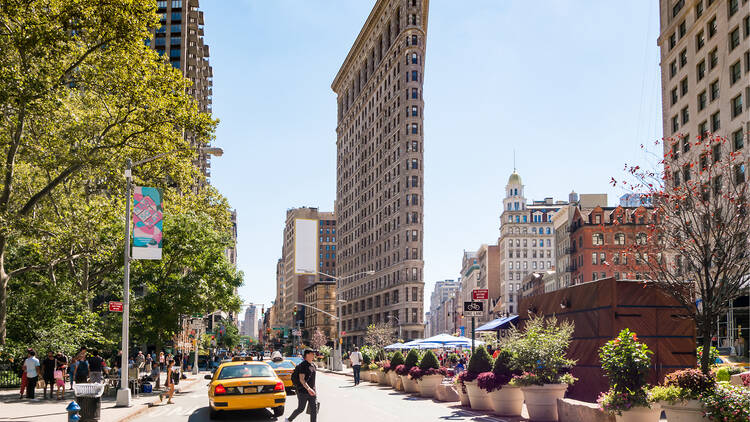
(514, 179)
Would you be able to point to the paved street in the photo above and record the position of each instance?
(340, 401)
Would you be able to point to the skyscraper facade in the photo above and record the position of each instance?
(380, 169)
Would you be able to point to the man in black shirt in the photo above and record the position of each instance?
(306, 395)
(49, 364)
(96, 367)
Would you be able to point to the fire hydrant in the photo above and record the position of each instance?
(73, 409)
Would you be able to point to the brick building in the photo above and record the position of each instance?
(602, 240)
(321, 295)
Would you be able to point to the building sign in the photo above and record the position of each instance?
(480, 294)
(305, 246)
(473, 309)
(115, 306)
(147, 223)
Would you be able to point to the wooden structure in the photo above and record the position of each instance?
(600, 310)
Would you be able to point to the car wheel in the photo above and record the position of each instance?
(278, 411)
(213, 414)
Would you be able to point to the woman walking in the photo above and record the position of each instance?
(161, 361)
(173, 377)
(24, 379)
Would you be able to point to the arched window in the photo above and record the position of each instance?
(641, 238)
(597, 239)
(619, 238)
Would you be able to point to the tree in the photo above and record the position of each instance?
(231, 337)
(696, 247)
(79, 92)
(379, 335)
(319, 339)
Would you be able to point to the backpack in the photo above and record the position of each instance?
(175, 375)
(83, 367)
(295, 377)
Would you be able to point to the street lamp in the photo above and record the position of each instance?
(337, 355)
(123, 394)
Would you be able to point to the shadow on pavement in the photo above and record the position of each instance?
(202, 415)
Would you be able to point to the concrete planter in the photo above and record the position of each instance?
(463, 395)
(507, 401)
(428, 384)
(383, 378)
(396, 381)
(478, 398)
(373, 376)
(541, 400)
(641, 414)
(410, 386)
(684, 411)
(446, 392)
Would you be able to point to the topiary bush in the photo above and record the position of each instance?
(723, 375)
(480, 361)
(412, 359)
(429, 361)
(504, 367)
(396, 360)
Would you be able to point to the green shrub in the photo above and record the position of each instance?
(693, 382)
(396, 360)
(504, 367)
(667, 393)
(412, 359)
(429, 361)
(723, 375)
(366, 360)
(480, 361)
(626, 364)
(540, 351)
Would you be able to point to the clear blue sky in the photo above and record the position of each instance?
(572, 86)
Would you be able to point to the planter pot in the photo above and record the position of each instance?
(478, 398)
(541, 400)
(410, 386)
(428, 384)
(446, 392)
(383, 378)
(463, 396)
(395, 381)
(641, 414)
(684, 411)
(374, 376)
(507, 401)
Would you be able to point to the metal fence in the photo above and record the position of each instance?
(10, 374)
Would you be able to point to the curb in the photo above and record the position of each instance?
(149, 405)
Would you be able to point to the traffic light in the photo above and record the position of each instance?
(295, 310)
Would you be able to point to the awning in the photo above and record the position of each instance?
(498, 324)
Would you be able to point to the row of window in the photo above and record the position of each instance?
(327, 239)
(328, 247)
(162, 4)
(328, 231)
(736, 108)
(525, 243)
(393, 318)
(597, 239)
(534, 265)
(389, 298)
(518, 253)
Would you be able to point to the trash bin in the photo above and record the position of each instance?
(89, 397)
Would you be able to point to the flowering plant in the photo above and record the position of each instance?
(532, 378)
(626, 363)
(692, 382)
(415, 373)
(540, 352)
(745, 379)
(385, 366)
(727, 403)
(487, 382)
(467, 376)
(401, 370)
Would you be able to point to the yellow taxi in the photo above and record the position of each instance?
(244, 384)
(284, 369)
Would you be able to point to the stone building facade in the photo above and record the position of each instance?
(321, 294)
(380, 171)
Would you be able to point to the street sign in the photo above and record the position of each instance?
(473, 309)
(480, 294)
(115, 306)
(296, 333)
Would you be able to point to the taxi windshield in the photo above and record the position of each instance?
(284, 364)
(245, 371)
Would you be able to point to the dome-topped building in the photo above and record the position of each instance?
(515, 178)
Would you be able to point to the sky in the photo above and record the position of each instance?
(572, 87)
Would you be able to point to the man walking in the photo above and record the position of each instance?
(356, 358)
(32, 373)
(304, 381)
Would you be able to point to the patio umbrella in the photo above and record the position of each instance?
(442, 339)
(394, 346)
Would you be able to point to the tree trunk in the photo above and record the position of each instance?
(3, 304)
(704, 329)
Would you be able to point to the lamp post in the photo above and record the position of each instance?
(337, 355)
(123, 394)
(399, 325)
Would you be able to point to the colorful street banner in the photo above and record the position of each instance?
(147, 223)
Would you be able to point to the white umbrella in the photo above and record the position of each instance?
(394, 346)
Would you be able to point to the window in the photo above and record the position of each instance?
(746, 26)
(739, 173)
(702, 101)
(414, 111)
(700, 70)
(684, 86)
(685, 115)
(738, 141)
(713, 58)
(736, 106)
(161, 4)
(714, 87)
(414, 40)
(712, 27)
(735, 72)
(414, 163)
(673, 68)
(676, 10)
(685, 175)
(176, 4)
(175, 28)
(682, 29)
(597, 239)
(176, 16)
(686, 143)
(414, 129)
(641, 238)
(676, 178)
(734, 38)
(716, 153)
(413, 58)
(602, 257)
(700, 40)
(675, 125)
(619, 238)
(672, 40)
(715, 122)
(174, 54)
(414, 75)
(734, 5)
(699, 9)
(683, 58)
(414, 94)
(593, 276)
(703, 129)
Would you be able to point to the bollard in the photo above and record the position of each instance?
(73, 409)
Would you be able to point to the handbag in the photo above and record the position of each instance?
(317, 408)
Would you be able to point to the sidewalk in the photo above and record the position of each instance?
(14, 410)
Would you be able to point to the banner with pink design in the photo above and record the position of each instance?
(147, 223)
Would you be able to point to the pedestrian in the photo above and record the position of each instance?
(72, 369)
(32, 373)
(356, 358)
(49, 365)
(81, 373)
(24, 377)
(303, 378)
(161, 360)
(96, 367)
(156, 375)
(59, 375)
(173, 378)
(149, 362)
(140, 361)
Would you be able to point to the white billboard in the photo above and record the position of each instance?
(305, 246)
